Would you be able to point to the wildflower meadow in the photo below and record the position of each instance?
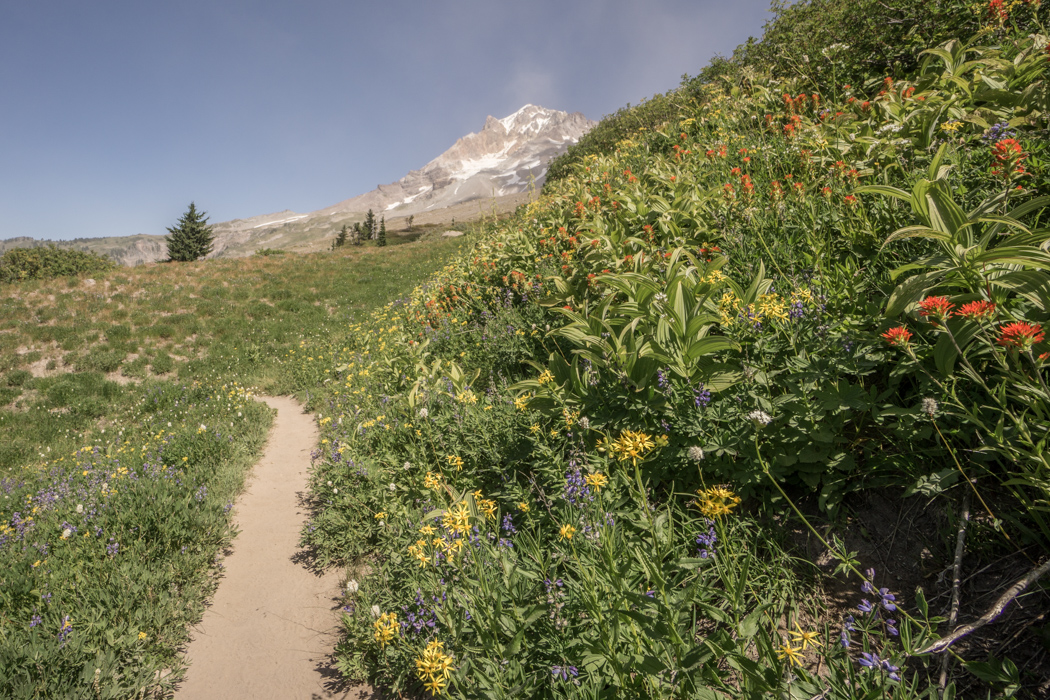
(623, 446)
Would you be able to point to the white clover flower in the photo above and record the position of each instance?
(696, 453)
(393, 486)
(585, 423)
(406, 465)
(352, 587)
(376, 611)
(329, 483)
(335, 490)
(423, 413)
(80, 508)
(760, 417)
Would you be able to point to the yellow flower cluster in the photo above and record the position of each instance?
(419, 552)
(522, 402)
(467, 397)
(386, 628)
(454, 461)
(434, 667)
(566, 532)
(546, 377)
(716, 501)
(632, 445)
(432, 481)
(597, 481)
(457, 519)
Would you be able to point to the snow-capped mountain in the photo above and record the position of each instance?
(505, 157)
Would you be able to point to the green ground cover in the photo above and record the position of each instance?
(615, 449)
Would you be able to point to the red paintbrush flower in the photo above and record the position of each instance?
(975, 310)
(898, 337)
(1020, 334)
(937, 307)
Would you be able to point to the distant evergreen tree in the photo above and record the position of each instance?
(381, 239)
(370, 224)
(340, 240)
(410, 220)
(355, 234)
(192, 238)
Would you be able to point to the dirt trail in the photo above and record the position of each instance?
(273, 623)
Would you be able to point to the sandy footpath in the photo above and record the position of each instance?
(273, 622)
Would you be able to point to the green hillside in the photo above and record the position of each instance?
(707, 419)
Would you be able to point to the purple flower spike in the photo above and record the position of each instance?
(865, 606)
(869, 660)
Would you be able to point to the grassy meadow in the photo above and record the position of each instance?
(126, 428)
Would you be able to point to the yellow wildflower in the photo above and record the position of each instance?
(716, 501)
(454, 461)
(567, 531)
(546, 377)
(632, 445)
(597, 481)
(386, 628)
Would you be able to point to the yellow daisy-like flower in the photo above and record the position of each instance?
(632, 445)
(524, 507)
(716, 501)
(566, 532)
(426, 530)
(386, 628)
(803, 638)
(467, 397)
(546, 377)
(432, 481)
(381, 515)
(522, 402)
(454, 461)
(786, 651)
(597, 481)
(488, 507)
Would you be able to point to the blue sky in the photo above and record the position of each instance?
(115, 114)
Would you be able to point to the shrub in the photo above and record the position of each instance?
(47, 262)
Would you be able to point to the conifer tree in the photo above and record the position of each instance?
(190, 239)
(340, 240)
(370, 224)
(381, 239)
(355, 234)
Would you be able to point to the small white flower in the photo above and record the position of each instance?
(352, 587)
(80, 508)
(406, 465)
(335, 490)
(376, 611)
(203, 427)
(423, 413)
(929, 406)
(66, 533)
(585, 423)
(329, 483)
(696, 453)
(393, 486)
(760, 417)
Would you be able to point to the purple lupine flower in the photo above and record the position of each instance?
(564, 672)
(34, 621)
(891, 670)
(701, 396)
(508, 524)
(707, 541)
(865, 606)
(869, 660)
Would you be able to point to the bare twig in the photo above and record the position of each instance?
(960, 547)
(994, 612)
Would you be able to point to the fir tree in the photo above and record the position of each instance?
(370, 224)
(191, 239)
(381, 239)
(340, 240)
(355, 234)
